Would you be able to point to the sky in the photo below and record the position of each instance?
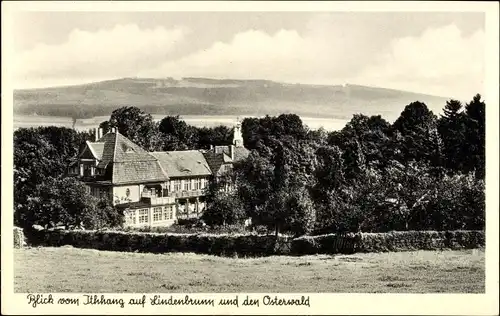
(436, 53)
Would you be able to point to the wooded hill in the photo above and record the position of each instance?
(202, 96)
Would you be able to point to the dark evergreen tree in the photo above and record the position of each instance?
(476, 136)
(452, 129)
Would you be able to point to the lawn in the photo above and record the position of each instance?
(69, 269)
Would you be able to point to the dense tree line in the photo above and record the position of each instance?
(171, 133)
(420, 172)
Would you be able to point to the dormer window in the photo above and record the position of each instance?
(127, 149)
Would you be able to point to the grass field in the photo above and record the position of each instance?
(68, 269)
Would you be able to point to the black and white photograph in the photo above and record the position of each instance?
(248, 153)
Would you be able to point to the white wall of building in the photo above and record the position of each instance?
(120, 193)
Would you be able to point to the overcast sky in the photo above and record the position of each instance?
(434, 53)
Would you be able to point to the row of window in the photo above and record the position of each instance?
(188, 185)
(163, 213)
(87, 170)
(159, 214)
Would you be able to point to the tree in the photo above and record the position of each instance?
(408, 189)
(40, 153)
(177, 134)
(254, 176)
(276, 190)
(224, 208)
(420, 141)
(452, 129)
(364, 140)
(103, 215)
(458, 204)
(264, 134)
(318, 137)
(476, 136)
(137, 126)
(219, 135)
(106, 127)
(66, 201)
(33, 162)
(223, 203)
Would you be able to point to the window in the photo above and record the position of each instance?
(203, 183)
(157, 214)
(187, 185)
(168, 212)
(197, 184)
(177, 185)
(130, 217)
(143, 216)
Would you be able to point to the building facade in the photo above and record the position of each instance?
(153, 188)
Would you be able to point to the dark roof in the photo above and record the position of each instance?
(216, 160)
(138, 172)
(186, 163)
(240, 153)
(130, 163)
(118, 148)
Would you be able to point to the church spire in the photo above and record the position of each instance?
(237, 138)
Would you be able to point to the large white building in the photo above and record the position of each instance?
(153, 188)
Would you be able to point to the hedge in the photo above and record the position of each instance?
(392, 241)
(259, 245)
(223, 244)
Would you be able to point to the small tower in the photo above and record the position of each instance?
(237, 138)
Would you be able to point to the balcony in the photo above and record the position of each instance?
(156, 200)
(187, 194)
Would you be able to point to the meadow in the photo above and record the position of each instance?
(68, 269)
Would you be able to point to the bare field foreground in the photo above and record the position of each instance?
(67, 269)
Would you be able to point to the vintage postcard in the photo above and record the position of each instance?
(249, 158)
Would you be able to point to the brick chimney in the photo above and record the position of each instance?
(96, 136)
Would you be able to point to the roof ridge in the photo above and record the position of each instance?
(162, 170)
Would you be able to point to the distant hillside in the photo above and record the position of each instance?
(203, 96)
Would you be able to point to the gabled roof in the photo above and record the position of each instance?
(186, 163)
(118, 148)
(129, 162)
